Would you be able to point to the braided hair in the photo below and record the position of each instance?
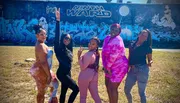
(97, 52)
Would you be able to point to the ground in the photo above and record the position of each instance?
(17, 86)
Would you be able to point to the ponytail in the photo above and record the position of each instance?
(97, 53)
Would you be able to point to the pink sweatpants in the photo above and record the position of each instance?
(88, 79)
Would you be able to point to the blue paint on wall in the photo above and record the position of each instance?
(85, 20)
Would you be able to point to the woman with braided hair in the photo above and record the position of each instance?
(88, 77)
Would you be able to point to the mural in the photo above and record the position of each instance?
(88, 11)
(85, 20)
(166, 20)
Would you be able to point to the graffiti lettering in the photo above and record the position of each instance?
(89, 11)
(50, 9)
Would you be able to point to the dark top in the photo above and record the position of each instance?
(137, 54)
(63, 54)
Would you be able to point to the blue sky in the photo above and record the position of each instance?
(103, 1)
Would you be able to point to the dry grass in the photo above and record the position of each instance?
(17, 86)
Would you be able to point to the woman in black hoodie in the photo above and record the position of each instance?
(64, 53)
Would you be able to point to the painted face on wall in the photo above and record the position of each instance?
(67, 39)
(41, 36)
(92, 45)
(143, 36)
(114, 31)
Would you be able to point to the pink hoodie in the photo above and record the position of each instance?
(114, 59)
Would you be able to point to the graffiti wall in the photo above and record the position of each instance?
(85, 20)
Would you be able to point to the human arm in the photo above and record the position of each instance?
(115, 51)
(129, 57)
(150, 61)
(149, 56)
(57, 31)
(86, 59)
(103, 54)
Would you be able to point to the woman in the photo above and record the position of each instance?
(114, 61)
(41, 72)
(139, 70)
(64, 54)
(88, 77)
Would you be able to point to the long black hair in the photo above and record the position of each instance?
(69, 46)
(149, 39)
(97, 53)
(148, 42)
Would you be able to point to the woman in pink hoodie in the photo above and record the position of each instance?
(114, 61)
(88, 77)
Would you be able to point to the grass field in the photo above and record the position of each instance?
(17, 86)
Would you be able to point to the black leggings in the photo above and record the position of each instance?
(67, 82)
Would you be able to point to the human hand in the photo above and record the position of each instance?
(37, 64)
(150, 63)
(80, 51)
(107, 71)
(130, 67)
(57, 13)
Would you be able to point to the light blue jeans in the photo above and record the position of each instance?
(139, 73)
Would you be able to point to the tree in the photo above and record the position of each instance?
(108, 1)
(119, 1)
(164, 1)
(129, 2)
(148, 1)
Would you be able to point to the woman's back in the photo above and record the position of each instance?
(38, 52)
